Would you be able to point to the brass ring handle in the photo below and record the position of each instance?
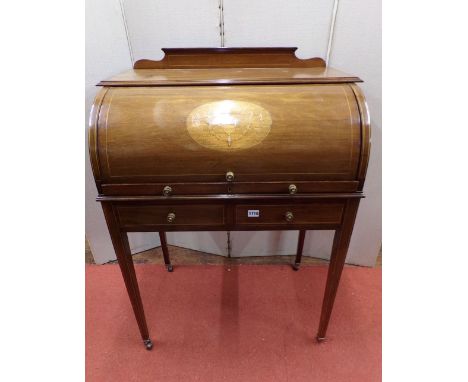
(170, 217)
(292, 189)
(289, 216)
(229, 176)
(167, 191)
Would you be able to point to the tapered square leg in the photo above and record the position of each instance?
(165, 251)
(337, 260)
(124, 257)
(300, 247)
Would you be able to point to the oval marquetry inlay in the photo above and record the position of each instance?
(229, 125)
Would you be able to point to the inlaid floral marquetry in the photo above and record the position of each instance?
(229, 125)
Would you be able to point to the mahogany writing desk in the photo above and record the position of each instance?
(228, 139)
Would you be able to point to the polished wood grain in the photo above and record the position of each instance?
(200, 188)
(228, 198)
(365, 135)
(197, 140)
(302, 187)
(224, 66)
(270, 214)
(92, 136)
(124, 257)
(133, 216)
(338, 256)
(142, 217)
(142, 135)
(277, 57)
(228, 76)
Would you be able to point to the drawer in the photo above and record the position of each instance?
(165, 189)
(134, 216)
(314, 213)
(197, 188)
(292, 187)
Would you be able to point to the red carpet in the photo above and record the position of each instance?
(252, 323)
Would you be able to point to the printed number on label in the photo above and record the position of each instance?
(253, 213)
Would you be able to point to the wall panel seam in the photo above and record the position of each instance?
(221, 22)
(332, 30)
(124, 20)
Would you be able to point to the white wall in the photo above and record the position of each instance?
(107, 53)
(153, 24)
(301, 23)
(357, 48)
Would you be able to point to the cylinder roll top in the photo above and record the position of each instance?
(187, 128)
(197, 134)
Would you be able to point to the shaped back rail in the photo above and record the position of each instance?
(205, 58)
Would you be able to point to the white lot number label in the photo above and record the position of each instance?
(253, 213)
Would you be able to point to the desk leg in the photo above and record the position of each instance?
(124, 257)
(167, 261)
(300, 246)
(337, 260)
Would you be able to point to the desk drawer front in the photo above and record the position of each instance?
(171, 215)
(311, 213)
(292, 187)
(165, 189)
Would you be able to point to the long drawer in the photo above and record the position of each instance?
(314, 213)
(230, 216)
(167, 216)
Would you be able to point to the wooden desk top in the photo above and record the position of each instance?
(230, 66)
(228, 76)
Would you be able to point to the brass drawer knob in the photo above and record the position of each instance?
(289, 216)
(292, 189)
(167, 191)
(170, 217)
(229, 176)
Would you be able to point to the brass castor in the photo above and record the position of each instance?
(170, 268)
(320, 339)
(296, 266)
(148, 344)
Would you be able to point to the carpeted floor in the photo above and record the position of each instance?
(233, 323)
